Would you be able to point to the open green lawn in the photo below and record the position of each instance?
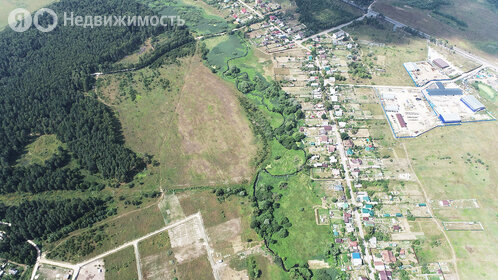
(460, 163)
(487, 92)
(200, 18)
(40, 150)
(218, 55)
(284, 161)
(121, 265)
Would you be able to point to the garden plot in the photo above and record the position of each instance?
(187, 240)
(463, 226)
(53, 272)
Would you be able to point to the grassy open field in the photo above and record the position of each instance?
(10, 5)
(460, 163)
(188, 119)
(40, 150)
(108, 235)
(478, 37)
(487, 92)
(199, 268)
(457, 60)
(284, 161)
(215, 212)
(121, 265)
(157, 259)
(199, 17)
(394, 49)
(219, 54)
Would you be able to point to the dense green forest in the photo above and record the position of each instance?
(322, 14)
(43, 80)
(47, 220)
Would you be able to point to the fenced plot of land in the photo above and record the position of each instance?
(463, 226)
(93, 271)
(121, 265)
(187, 241)
(157, 258)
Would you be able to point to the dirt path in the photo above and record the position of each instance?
(454, 258)
(76, 267)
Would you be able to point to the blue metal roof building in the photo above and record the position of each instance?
(471, 102)
(450, 118)
(444, 91)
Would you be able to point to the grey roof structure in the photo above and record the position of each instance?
(440, 63)
(445, 91)
(472, 102)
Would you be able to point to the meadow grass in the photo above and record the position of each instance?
(121, 265)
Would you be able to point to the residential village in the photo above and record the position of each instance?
(372, 198)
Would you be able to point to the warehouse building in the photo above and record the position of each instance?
(440, 63)
(444, 91)
(450, 118)
(401, 121)
(472, 102)
(392, 108)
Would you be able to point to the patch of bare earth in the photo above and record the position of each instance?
(92, 271)
(186, 241)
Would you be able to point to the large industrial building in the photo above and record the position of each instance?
(440, 63)
(472, 102)
(441, 90)
(450, 118)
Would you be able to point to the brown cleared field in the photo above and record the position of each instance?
(479, 37)
(199, 268)
(216, 137)
(188, 119)
(460, 163)
(121, 265)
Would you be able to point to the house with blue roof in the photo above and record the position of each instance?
(356, 259)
